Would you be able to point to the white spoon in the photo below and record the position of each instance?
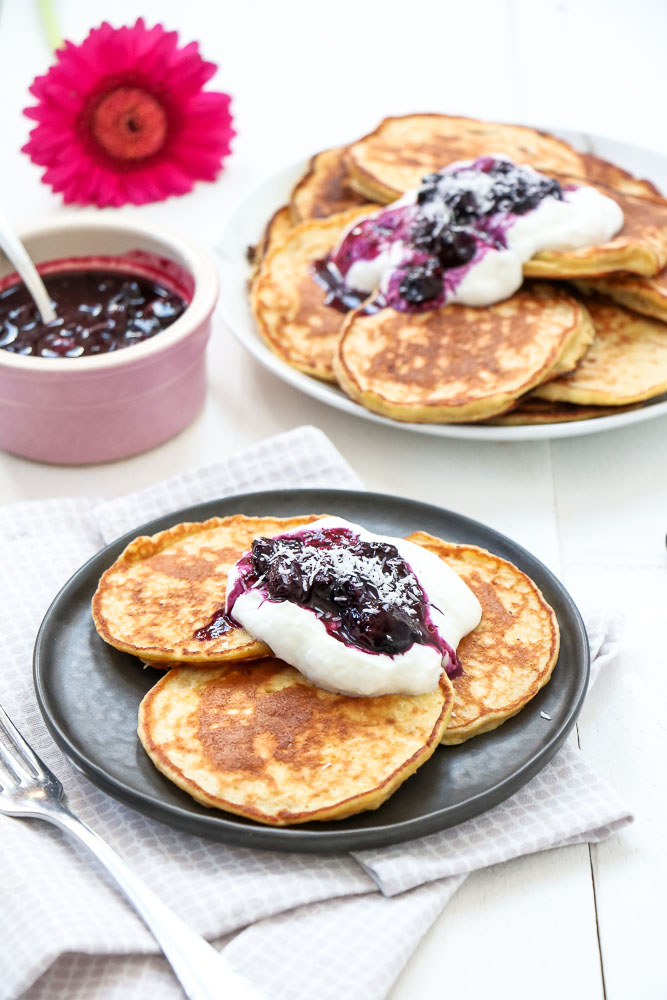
(17, 254)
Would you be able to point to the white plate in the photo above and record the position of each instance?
(245, 226)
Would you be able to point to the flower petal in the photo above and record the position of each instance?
(135, 58)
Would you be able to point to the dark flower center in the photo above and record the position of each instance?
(129, 123)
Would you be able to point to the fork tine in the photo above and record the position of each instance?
(25, 753)
(12, 765)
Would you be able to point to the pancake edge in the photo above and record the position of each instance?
(143, 547)
(630, 292)
(322, 373)
(363, 802)
(493, 719)
(366, 184)
(575, 344)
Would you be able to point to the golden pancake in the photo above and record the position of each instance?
(257, 739)
(599, 171)
(164, 588)
(287, 302)
(626, 363)
(400, 151)
(460, 363)
(529, 411)
(512, 652)
(275, 233)
(640, 246)
(324, 190)
(644, 295)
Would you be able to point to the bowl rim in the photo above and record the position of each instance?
(197, 260)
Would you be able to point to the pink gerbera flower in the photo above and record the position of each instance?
(123, 118)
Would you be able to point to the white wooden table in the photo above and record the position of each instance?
(576, 922)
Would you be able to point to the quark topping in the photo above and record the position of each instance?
(355, 612)
(463, 236)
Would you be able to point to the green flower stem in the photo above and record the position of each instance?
(50, 23)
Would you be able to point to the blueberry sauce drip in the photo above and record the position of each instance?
(459, 214)
(365, 594)
(219, 625)
(338, 296)
(97, 312)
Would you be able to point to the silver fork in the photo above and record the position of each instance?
(29, 789)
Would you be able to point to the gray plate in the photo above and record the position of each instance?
(89, 694)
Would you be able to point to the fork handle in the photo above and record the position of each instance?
(201, 970)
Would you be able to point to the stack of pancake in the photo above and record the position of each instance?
(241, 731)
(585, 336)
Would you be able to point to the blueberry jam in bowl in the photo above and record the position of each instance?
(122, 369)
(97, 311)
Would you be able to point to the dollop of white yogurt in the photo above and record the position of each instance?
(296, 634)
(584, 217)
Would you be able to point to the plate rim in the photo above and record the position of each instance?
(332, 395)
(306, 839)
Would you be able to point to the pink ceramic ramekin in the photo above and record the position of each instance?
(102, 407)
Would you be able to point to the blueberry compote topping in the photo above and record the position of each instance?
(219, 624)
(426, 243)
(365, 593)
(97, 312)
(338, 296)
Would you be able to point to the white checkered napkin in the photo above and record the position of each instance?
(67, 935)
(53, 900)
(346, 947)
(566, 803)
(362, 944)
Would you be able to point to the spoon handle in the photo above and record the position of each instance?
(18, 256)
